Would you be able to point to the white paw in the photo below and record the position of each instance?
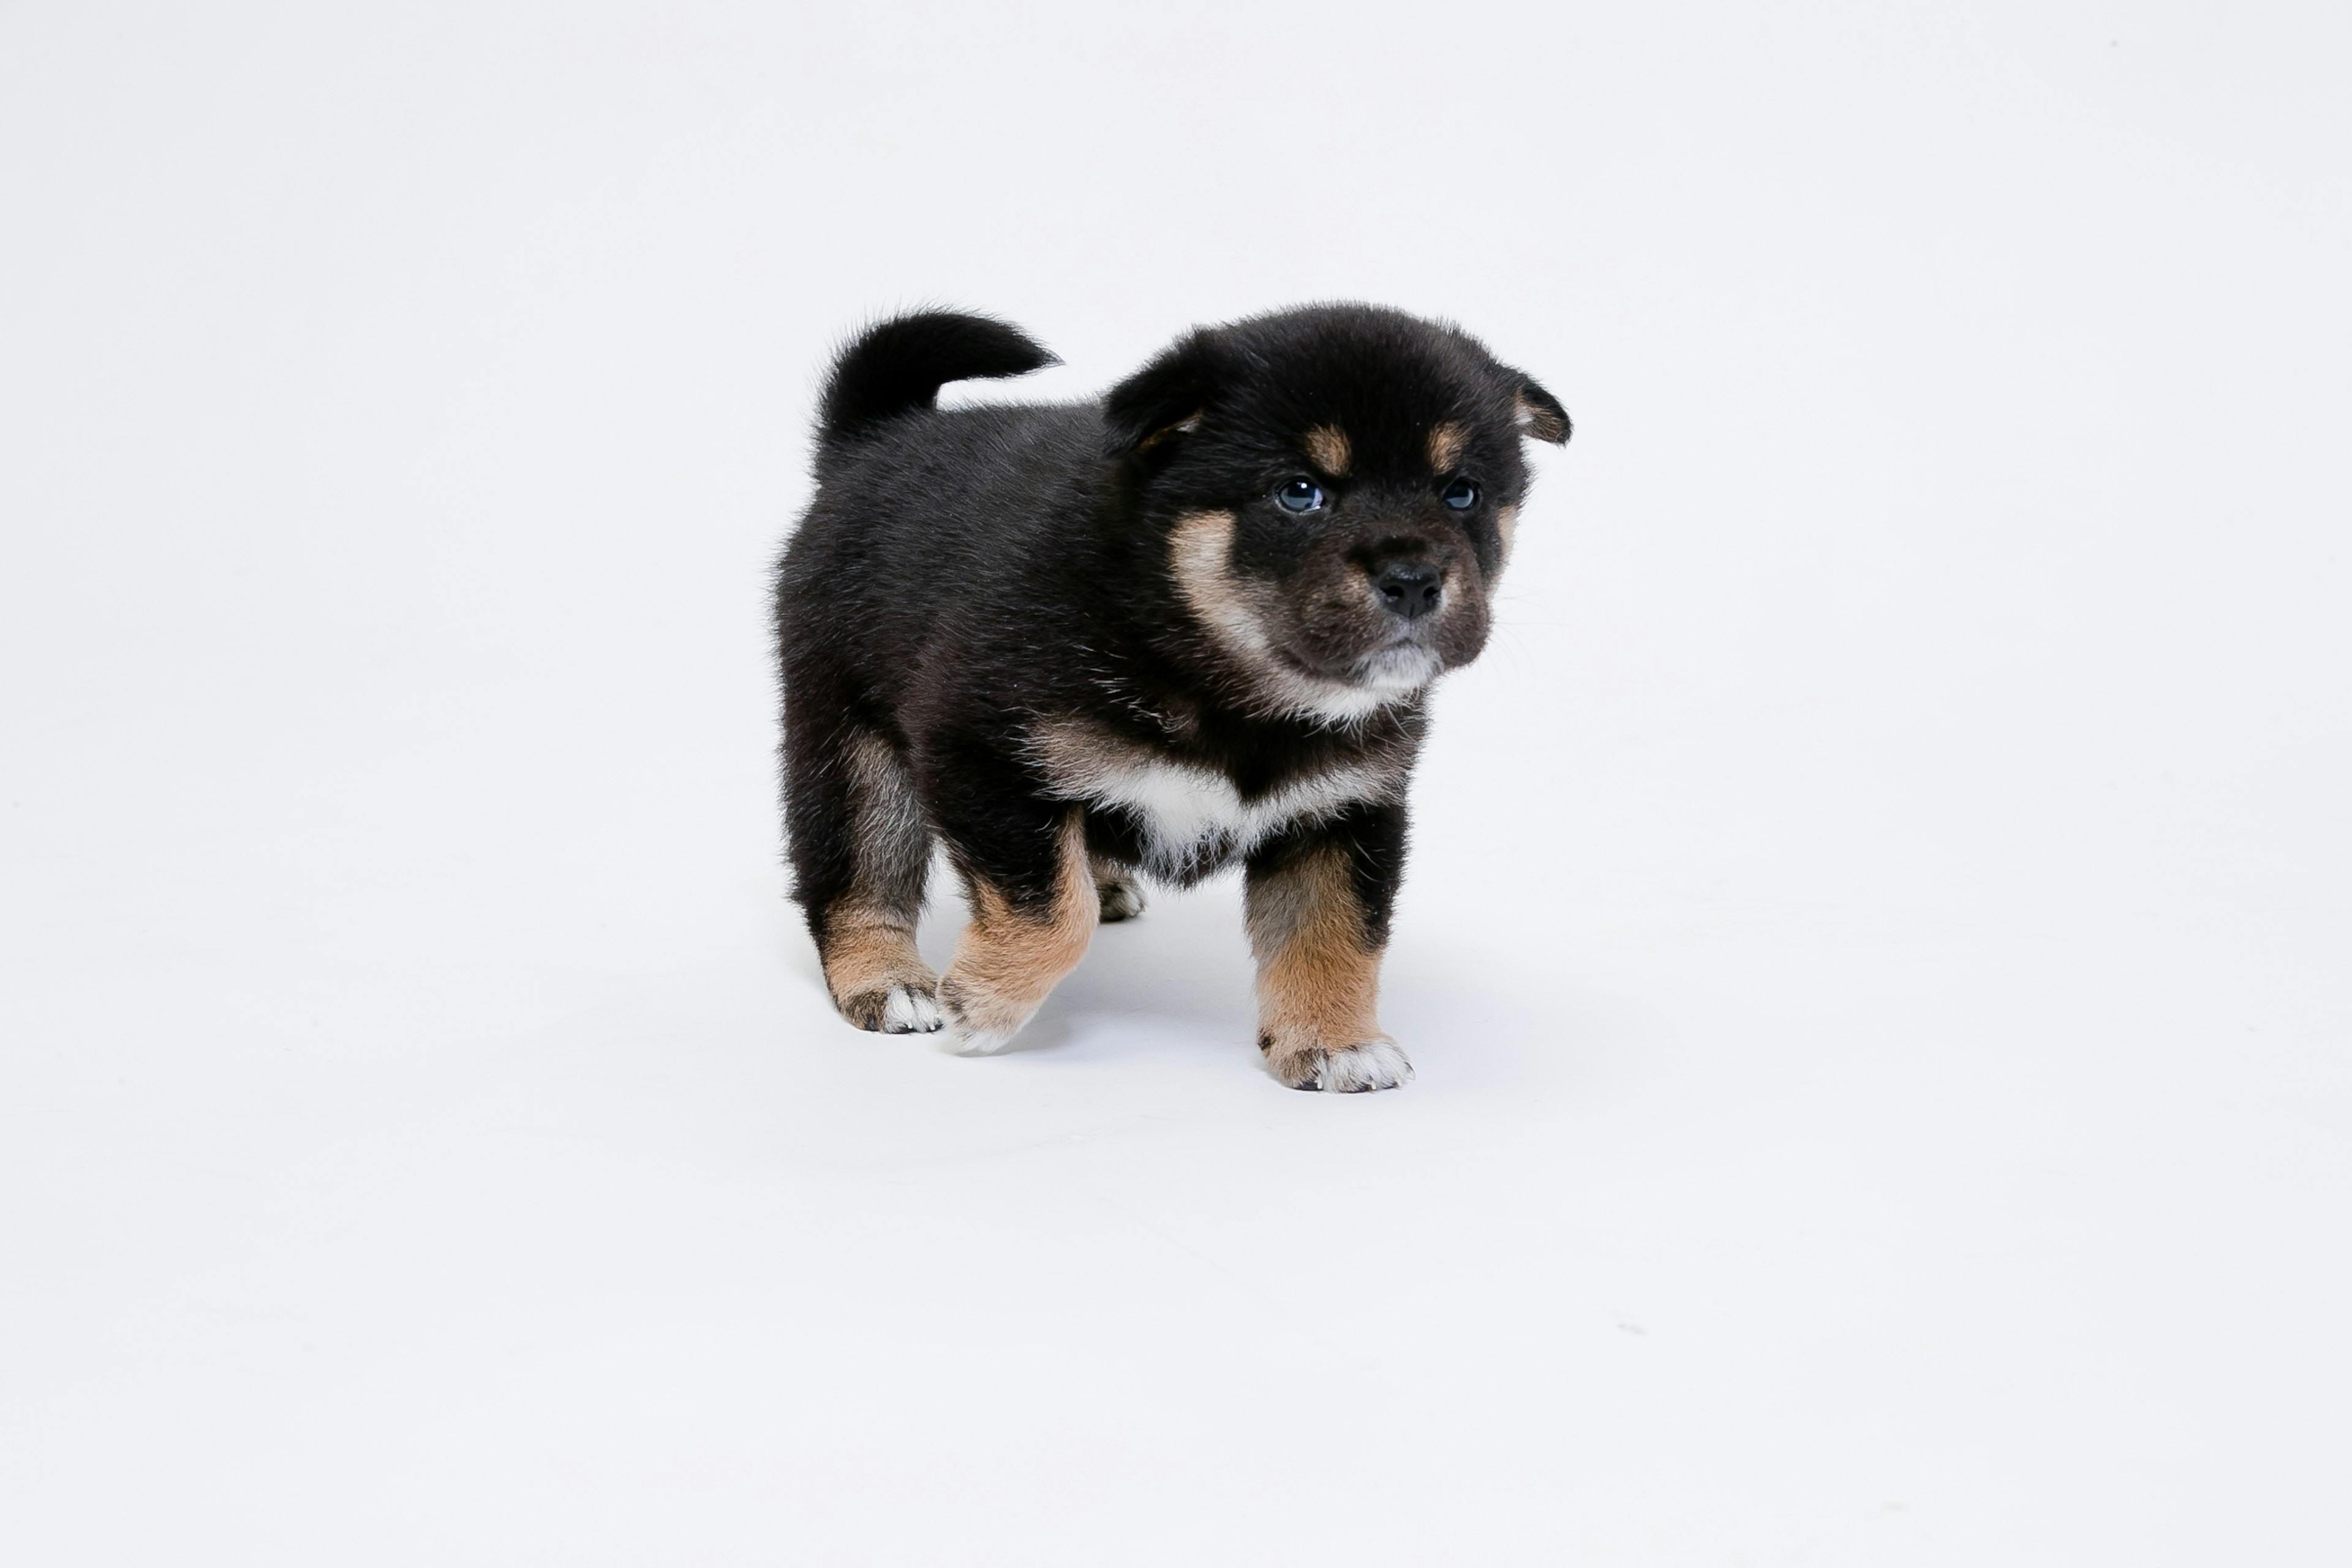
(1375, 1063)
(966, 1042)
(1119, 902)
(906, 1012)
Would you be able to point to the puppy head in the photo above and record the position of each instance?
(1338, 485)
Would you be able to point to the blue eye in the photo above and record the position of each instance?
(1461, 495)
(1298, 495)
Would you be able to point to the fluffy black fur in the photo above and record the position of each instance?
(967, 579)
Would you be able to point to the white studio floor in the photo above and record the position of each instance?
(1875, 953)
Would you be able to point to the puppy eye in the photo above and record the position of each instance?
(1461, 495)
(1298, 495)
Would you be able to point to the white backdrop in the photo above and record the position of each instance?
(1876, 944)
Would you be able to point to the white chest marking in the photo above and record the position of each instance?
(1193, 817)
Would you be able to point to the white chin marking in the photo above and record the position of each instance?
(1376, 1064)
(906, 1012)
(1396, 671)
(1387, 677)
(1336, 704)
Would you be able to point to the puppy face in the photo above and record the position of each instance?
(1338, 485)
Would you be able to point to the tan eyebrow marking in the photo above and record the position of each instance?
(1446, 444)
(1327, 447)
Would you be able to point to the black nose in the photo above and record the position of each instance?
(1408, 588)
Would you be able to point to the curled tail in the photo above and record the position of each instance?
(899, 365)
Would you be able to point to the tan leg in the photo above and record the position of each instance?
(867, 944)
(1009, 957)
(1318, 971)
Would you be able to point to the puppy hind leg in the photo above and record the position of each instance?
(866, 930)
(1116, 889)
(1023, 938)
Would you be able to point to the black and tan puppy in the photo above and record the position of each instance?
(1191, 625)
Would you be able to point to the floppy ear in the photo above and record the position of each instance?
(1540, 414)
(1164, 398)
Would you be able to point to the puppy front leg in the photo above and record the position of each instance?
(1026, 931)
(1317, 915)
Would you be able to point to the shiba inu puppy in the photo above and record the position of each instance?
(1191, 625)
